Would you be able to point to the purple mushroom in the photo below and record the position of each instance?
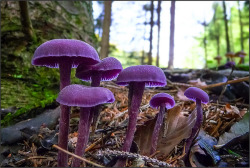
(64, 54)
(85, 98)
(164, 101)
(106, 70)
(199, 96)
(137, 77)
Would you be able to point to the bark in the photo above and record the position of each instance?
(171, 42)
(106, 29)
(25, 21)
(151, 33)
(226, 27)
(159, 26)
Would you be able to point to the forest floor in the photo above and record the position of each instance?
(222, 140)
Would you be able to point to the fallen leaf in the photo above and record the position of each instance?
(232, 111)
(238, 129)
(178, 127)
(180, 94)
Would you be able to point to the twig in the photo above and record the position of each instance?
(97, 142)
(224, 83)
(78, 157)
(124, 112)
(123, 154)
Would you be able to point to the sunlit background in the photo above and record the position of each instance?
(127, 30)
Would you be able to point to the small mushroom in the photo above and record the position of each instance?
(230, 55)
(64, 54)
(199, 96)
(230, 64)
(218, 58)
(240, 54)
(137, 77)
(164, 101)
(85, 98)
(106, 70)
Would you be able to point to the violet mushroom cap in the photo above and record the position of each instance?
(194, 93)
(160, 98)
(152, 76)
(56, 51)
(108, 67)
(229, 64)
(84, 97)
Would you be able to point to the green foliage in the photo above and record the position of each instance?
(216, 28)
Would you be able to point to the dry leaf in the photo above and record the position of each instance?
(180, 94)
(232, 112)
(178, 127)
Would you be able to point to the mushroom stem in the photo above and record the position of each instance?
(96, 79)
(133, 111)
(157, 128)
(62, 159)
(83, 135)
(95, 111)
(196, 127)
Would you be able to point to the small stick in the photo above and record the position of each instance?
(224, 83)
(97, 142)
(78, 157)
(153, 154)
(126, 111)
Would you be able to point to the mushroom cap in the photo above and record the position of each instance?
(152, 76)
(109, 68)
(240, 54)
(82, 96)
(230, 54)
(218, 57)
(230, 64)
(194, 93)
(56, 51)
(160, 98)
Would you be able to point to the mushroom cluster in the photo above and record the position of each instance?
(66, 54)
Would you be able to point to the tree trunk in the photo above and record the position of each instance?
(25, 20)
(151, 33)
(218, 44)
(171, 42)
(241, 31)
(159, 27)
(105, 30)
(226, 27)
(205, 48)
